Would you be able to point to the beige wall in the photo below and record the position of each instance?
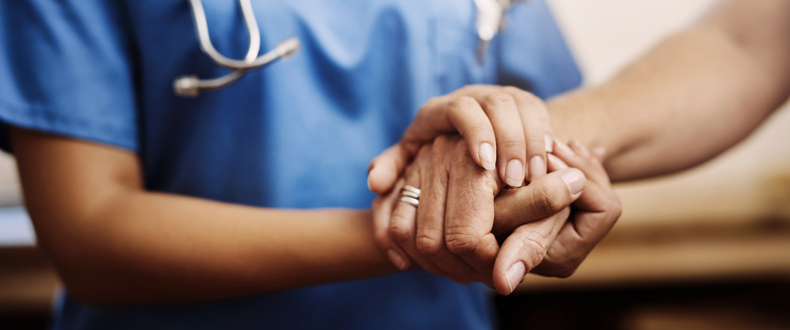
(605, 35)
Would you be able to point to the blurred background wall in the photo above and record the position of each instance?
(705, 249)
(708, 248)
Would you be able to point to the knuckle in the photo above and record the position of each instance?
(424, 151)
(462, 102)
(440, 145)
(399, 228)
(498, 99)
(466, 88)
(547, 198)
(399, 233)
(461, 243)
(513, 141)
(430, 103)
(428, 245)
(534, 249)
(525, 97)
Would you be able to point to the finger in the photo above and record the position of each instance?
(470, 213)
(524, 250)
(535, 122)
(556, 164)
(596, 201)
(382, 211)
(429, 240)
(447, 114)
(450, 114)
(564, 255)
(511, 144)
(402, 228)
(592, 165)
(579, 236)
(599, 153)
(433, 197)
(386, 168)
(580, 158)
(546, 196)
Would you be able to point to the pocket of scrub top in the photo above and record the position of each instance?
(456, 43)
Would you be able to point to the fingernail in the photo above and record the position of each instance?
(396, 259)
(549, 143)
(574, 179)
(556, 163)
(515, 275)
(537, 168)
(563, 149)
(514, 173)
(486, 153)
(599, 152)
(578, 145)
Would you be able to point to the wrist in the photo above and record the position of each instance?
(580, 115)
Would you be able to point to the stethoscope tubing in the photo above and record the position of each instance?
(192, 86)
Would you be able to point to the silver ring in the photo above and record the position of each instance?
(412, 189)
(410, 200)
(410, 195)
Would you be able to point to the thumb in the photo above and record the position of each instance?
(385, 169)
(544, 197)
(524, 250)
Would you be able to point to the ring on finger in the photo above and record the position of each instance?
(410, 195)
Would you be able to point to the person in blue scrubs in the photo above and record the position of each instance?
(206, 212)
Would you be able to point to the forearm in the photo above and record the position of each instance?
(142, 247)
(693, 96)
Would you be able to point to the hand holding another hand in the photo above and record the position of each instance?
(462, 206)
(553, 246)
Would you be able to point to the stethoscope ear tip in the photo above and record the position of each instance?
(287, 47)
(187, 86)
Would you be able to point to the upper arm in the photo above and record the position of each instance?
(762, 30)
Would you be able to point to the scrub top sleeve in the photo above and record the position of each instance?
(66, 68)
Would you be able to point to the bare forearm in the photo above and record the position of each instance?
(693, 96)
(147, 248)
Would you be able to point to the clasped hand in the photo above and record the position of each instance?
(465, 211)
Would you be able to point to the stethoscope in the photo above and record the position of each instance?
(489, 21)
(191, 86)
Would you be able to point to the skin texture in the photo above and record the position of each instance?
(695, 95)
(460, 242)
(513, 122)
(112, 242)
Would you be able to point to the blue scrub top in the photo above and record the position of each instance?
(297, 134)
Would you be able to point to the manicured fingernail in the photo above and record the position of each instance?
(556, 163)
(396, 259)
(514, 174)
(579, 146)
(574, 179)
(549, 143)
(515, 275)
(563, 149)
(486, 153)
(599, 152)
(537, 168)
